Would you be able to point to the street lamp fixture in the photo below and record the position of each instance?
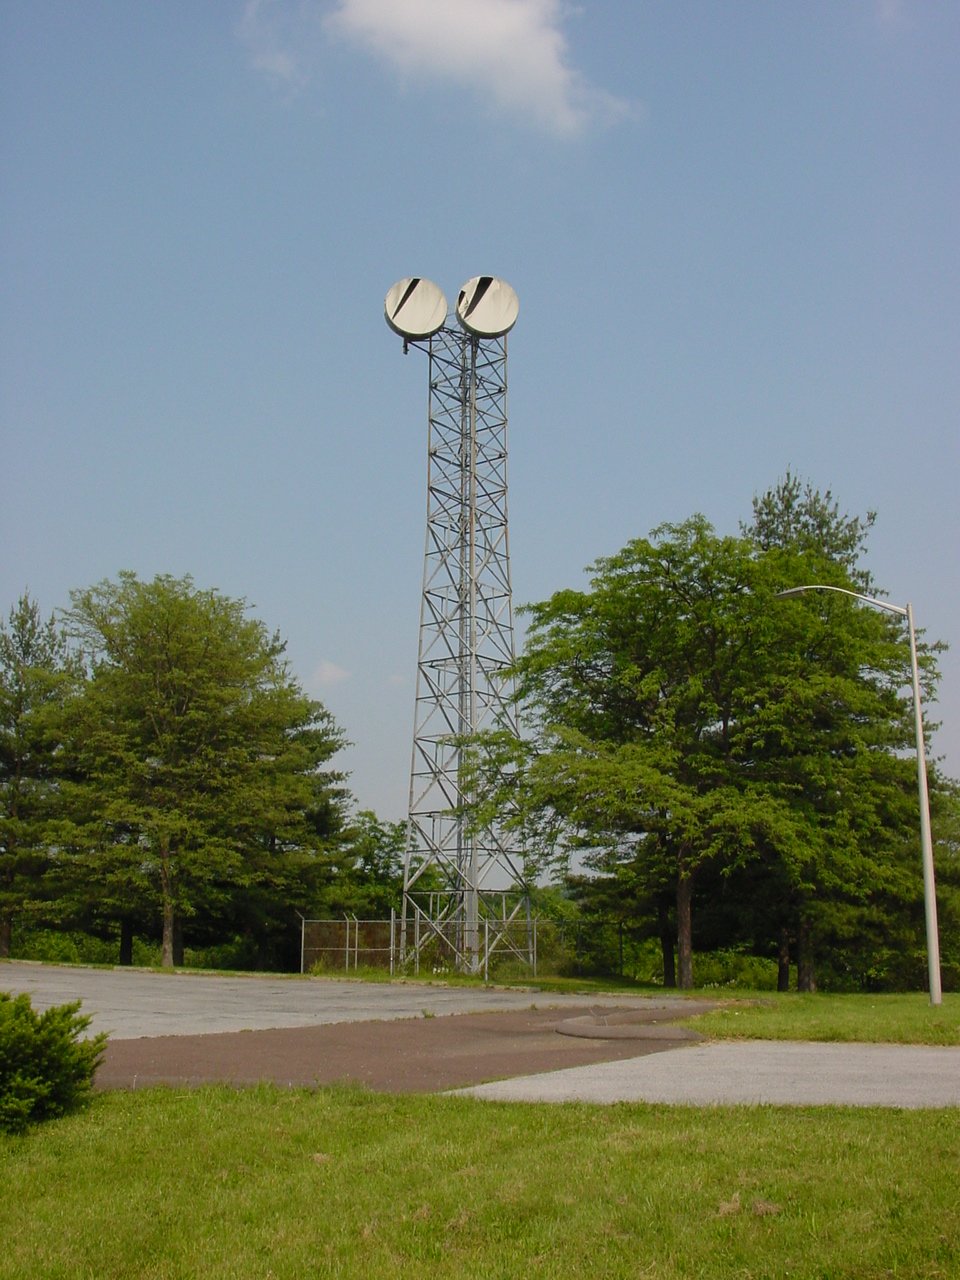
(926, 842)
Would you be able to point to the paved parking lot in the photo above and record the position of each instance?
(129, 1003)
(134, 1004)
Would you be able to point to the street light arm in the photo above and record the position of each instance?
(855, 595)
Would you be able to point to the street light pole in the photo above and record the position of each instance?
(926, 840)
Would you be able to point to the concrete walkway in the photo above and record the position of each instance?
(731, 1072)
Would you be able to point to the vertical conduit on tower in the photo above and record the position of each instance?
(464, 895)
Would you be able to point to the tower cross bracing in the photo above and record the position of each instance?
(464, 892)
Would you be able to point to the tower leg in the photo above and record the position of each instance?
(466, 654)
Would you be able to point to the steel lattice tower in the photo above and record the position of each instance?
(464, 892)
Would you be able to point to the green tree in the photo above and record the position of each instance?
(36, 675)
(686, 724)
(285, 881)
(639, 687)
(372, 883)
(834, 718)
(796, 517)
(199, 755)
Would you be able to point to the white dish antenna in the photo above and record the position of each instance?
(487, 307)
(415, 308)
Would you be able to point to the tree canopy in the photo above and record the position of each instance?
(160, 766)
(794, 516)
(689, 729)
(199, 757)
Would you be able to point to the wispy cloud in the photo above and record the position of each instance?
(326, 673)
(268, 30)
(511, 55)
(893, 16)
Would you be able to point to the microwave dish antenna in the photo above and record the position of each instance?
(415, 308)
(487, 307)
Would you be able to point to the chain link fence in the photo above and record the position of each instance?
(348, 944)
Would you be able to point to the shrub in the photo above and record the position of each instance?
(57, 946)
(728, 967)
(46, 1069)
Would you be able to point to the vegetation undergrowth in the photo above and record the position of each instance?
(216, 1183)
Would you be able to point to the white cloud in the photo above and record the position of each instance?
(511, 52)
(511, 55)
(326, 673)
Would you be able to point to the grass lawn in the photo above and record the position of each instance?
(892, 1019)
(214, 1183)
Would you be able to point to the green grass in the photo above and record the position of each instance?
(215, 1183)
(893, 1019)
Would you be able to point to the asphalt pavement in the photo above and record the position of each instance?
(129, 1003)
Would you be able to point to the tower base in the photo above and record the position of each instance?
(440, 934)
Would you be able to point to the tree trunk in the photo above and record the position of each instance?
(6, 936)
(806, 974)
(685, 929)
(667, 946)
(178, 942)
(783, 962)
(166, 894)
(126, 942)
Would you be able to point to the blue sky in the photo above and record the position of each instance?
(732, 227)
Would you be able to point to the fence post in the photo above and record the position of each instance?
(393, 925)
(303, 939)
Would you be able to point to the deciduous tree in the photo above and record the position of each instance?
(683, 719)
(201, 758)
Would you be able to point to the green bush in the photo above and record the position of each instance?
(57, 946)
(46, 1069)
(734, 969)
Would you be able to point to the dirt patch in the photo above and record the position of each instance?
(414, 1055)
